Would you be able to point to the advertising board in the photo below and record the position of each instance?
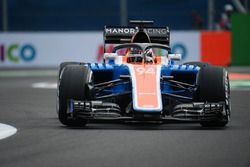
(49, 49)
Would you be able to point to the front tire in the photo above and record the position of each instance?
(64, 64)
(72, 85)
(213, 86)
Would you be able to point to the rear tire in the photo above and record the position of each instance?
(213, 86)
(72, 85)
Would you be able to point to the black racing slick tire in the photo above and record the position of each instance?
(72, 85)
(64, 64)
(213, 86)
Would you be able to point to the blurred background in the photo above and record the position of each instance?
(45, 33)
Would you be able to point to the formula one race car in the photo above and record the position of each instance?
(140, 82)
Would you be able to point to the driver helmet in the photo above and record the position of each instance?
(135, 51)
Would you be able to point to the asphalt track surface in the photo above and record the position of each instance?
(42, 141)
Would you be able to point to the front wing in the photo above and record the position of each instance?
(98, 111)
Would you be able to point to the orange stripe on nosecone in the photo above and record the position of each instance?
(146, 86)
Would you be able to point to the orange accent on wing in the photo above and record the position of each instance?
(146, 86)
(124, 59)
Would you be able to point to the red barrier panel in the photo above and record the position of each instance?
(216, 47)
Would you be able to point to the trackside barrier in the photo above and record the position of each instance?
(241, 39)
(49, 49)
(216, 47)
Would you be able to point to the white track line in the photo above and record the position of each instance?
(44, 85)
(6, 131)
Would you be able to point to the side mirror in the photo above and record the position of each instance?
(110, 56)
(176, 57)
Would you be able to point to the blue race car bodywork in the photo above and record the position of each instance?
(139, 81)
(115, 72)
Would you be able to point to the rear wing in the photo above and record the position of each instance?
(124, 34)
